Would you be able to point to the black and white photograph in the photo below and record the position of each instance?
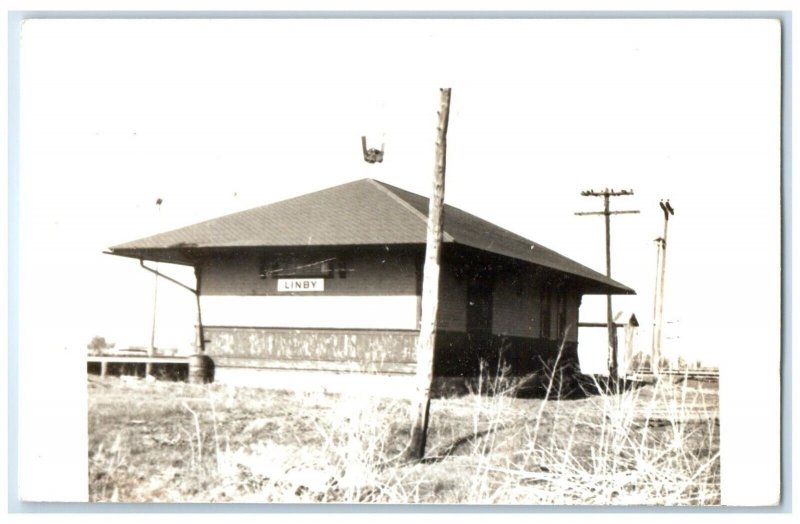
(402, 261)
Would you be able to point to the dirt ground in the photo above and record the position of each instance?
(172, 441)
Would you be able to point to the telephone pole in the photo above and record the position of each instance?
(658, 305)
(613, 365)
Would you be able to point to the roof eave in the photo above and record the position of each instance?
(169, 256)
(601, 285)
(595, 287)
(184, 255)
(609, 290)
(189, 254)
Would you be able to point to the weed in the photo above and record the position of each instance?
(653, 443)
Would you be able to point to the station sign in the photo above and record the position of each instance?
(300, 285)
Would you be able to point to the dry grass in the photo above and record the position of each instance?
(164, 441)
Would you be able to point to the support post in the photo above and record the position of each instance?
(197, 362)
(630, 333)
(658, 306)
(430, 288)
(151, 350)
(655, 349)
(613, 364)
(201, 338)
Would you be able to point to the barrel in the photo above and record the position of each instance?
(201, 369)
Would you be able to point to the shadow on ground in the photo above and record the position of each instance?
(535, 386)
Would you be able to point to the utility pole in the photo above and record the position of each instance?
(658, 303)
(430, 288)
(606, 193)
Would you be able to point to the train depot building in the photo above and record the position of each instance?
(328, 285)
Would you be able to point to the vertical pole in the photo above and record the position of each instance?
(430, 288)
(200, 335)
(200, 368)
(630, 331)
(151, 350)
(155, 303)
(148, 368)
(659, 301)
(655, 355)
(200, 343)
(612, 330)
(613, 372)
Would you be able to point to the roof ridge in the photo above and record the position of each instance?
(445, 235)
(509, 235)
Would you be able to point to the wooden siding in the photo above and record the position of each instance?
(368, 273)
(573, 307)
(452, 302)
(339, 350)
(377, 291)
(515, 306)
(381, 352)
(317, 365)
(311, 311)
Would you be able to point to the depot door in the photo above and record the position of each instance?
(479, 313)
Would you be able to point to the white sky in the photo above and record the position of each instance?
(219, 116)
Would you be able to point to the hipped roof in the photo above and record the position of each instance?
(363, 212)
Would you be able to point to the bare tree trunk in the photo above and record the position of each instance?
(430, 289)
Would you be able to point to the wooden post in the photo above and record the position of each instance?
(151, 350)
(658, 307)
(430, 289)
(655, 350)
(201, 342)
(630, 333)
(613, 363)
(198, 363)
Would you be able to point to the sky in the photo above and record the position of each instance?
(215, 117)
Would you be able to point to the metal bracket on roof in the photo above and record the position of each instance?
(371, 155)
(157, 273)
